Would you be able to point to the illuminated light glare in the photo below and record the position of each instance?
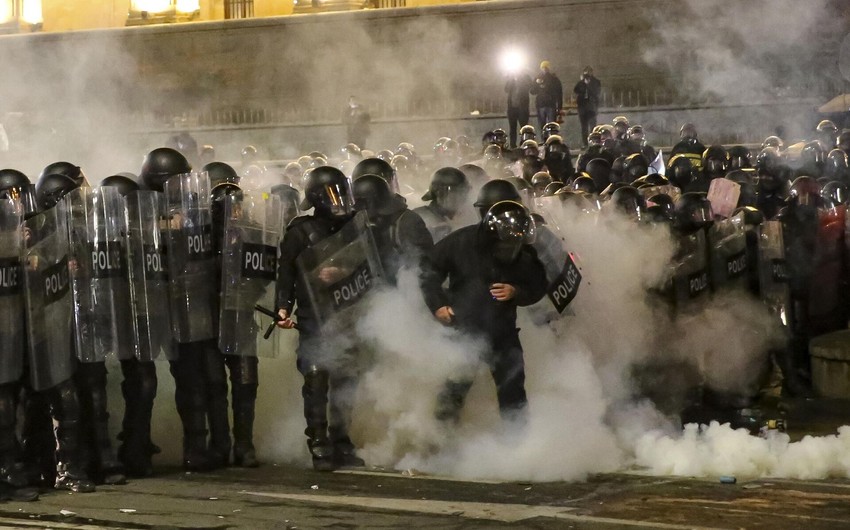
(512, 61)
(153, 6)
(5, 11)
(188, 6)
(32, 12)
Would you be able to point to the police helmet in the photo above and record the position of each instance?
(160, 165)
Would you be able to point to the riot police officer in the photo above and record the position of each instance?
(51, 395)
(328, 380)
(772, 182)
(100, 285)
(689, 146)
(447, 193)
(243, 368)
(401, 236)
(194, 310)
(800, 229)
(17, 203)
(492, 270)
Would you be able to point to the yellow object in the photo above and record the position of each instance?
(545, 64)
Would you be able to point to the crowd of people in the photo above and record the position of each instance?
(184, 266)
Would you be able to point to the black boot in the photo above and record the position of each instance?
(243, 384)
(342, 389)
(345, 454)
(70, 467)
(315, 394)
(108, 470)
(11, 471)
(322, 451)
(794, 384)
(220, 443)
(190, 396)
(244, 400)
(139, 390)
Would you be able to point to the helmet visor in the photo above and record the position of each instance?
(336, 199)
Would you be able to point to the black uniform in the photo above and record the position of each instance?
(329, 377)
(692, 149)
(401, 237)
(467, 260)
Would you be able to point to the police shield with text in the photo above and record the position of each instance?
(12, 332)
(148, 269)
(50, 351)
(252, 231)
(691, 278)
(194, 312)
(102, 312)
(727, 240)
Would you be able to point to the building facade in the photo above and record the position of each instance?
(20, 16)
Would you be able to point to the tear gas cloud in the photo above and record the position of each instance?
(584, 413)
(753, 52)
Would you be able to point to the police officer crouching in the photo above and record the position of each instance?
(327, 378)
(492, 269)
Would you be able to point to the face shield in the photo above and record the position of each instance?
(452, 198)
(510, 226)
(701, 216)
(335, 200)
(25, 196)
(715, 166)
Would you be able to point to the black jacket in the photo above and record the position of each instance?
(402, 239)
(587, 95)
(549, 91)
(303, 232)
(693, 150)
(518, 89)
(465, 259)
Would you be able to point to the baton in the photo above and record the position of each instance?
(274, 316)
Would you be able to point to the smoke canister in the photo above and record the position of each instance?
(726, 479)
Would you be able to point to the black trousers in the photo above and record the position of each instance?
(508, 370)
(587, 117)
(517, 117)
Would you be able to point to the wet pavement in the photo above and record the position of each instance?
(292, 497)
(287, 496)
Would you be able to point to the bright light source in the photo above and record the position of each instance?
(512, 61)
(32, 12)
(153, 6)
(188, 6)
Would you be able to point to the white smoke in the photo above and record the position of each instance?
(719, 450)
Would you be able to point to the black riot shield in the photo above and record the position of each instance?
(773, 273)
(252, 232)
(48, 297)
(12, 323)
(191, 263)
(690, 269)
(99, 278)
(148, 264)
(563, 274)
(727, 241)
(341, 270)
